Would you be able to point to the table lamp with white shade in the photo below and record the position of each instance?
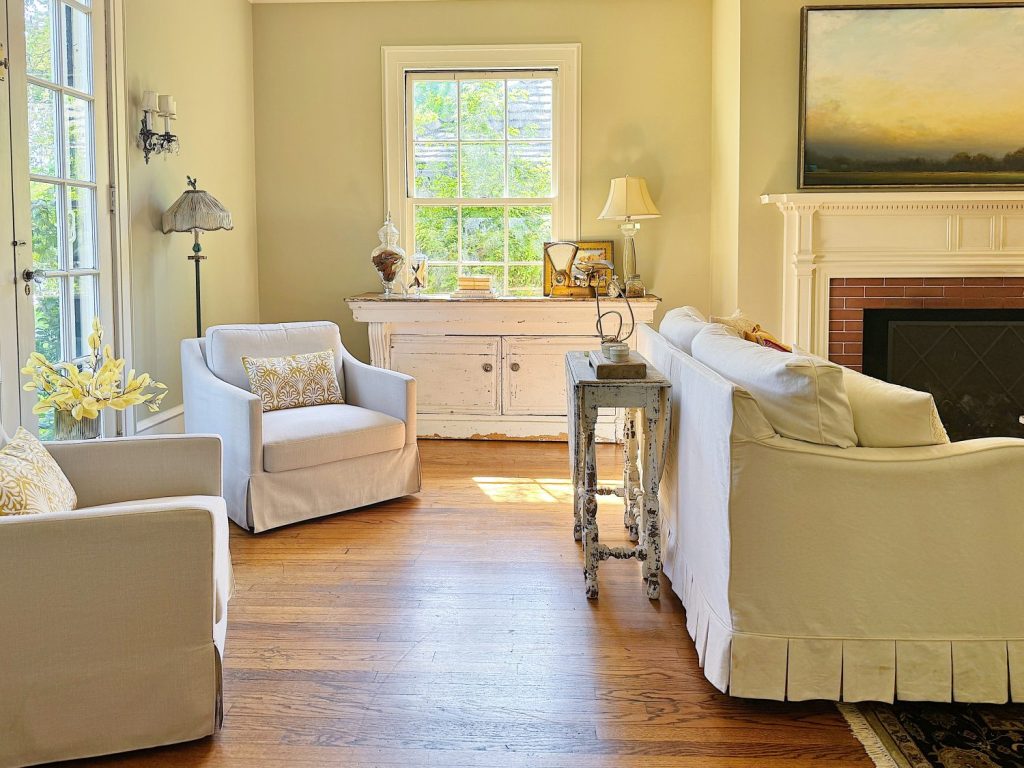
(195, 211)
(628, 201)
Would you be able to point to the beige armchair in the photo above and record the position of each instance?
(113, 616)
(286, 466)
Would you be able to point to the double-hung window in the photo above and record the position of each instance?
(487, 167)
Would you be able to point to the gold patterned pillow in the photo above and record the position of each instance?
(295, 381)
(30, 480)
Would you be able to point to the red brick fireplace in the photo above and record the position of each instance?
(850, 296)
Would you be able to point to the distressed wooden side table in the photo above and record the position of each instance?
(648, 415)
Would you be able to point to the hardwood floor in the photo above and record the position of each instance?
(451, 629)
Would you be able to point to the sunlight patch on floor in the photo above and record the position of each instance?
(537, 490)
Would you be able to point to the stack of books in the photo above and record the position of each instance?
(474, 287)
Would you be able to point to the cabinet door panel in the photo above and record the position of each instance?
(533, 372)
(454, 374)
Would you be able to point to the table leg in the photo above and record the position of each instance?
(577, 448)
(650, 527)
(587, 426)
(631, 474)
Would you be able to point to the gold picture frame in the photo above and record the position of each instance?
(562, 276)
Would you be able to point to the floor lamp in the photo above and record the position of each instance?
(196, 211)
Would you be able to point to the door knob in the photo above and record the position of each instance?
(514, 366)
(32, 276)
(488, 367)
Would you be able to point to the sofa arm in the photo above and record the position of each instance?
(131, 468)
(379, 389)
(109, 628)
(877, 542)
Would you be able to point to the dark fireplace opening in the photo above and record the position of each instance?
(971, 360)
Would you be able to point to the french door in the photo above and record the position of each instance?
(60, 246)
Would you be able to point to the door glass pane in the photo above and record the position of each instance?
(42, 131)
(85, 306)
(81, 208)
(45, 226)
(47, 311)
(76, 49)
(39, 40)
(78, 138)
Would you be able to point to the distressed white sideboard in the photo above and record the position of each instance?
(487, 369)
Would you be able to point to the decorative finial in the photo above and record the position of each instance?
(192, 183)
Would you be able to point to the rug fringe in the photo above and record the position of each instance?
(866, 735)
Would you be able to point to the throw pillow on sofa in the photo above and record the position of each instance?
(802, 397)
(31, 482)
(890, 416)
(681, 325)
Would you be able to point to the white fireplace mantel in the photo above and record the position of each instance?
(889, 234)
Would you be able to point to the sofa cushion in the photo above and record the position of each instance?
(306, 437)
(890, 416)
(680, 325)
(226, 345)
(31, 482)
(802, 397)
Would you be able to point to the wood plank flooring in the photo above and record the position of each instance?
(451, 629)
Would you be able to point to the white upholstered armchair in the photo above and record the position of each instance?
(285, 466)
(113, 616)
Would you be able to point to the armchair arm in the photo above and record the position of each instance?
(382, 390)
(214, 406)
(132, 468)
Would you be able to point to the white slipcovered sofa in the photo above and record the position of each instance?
(819, 572)
(113, 616)
(290, 465)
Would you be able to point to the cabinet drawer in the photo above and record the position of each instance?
(454, 374)
(533, 372)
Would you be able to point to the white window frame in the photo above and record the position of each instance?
(564, 59)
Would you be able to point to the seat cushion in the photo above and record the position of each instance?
(802, 396)
(226, 345)
(321, 434)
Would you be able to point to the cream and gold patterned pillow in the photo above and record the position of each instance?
(30, 480)
(294, 382)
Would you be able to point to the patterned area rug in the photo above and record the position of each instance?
(926, 735)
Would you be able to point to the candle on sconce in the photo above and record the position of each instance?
(167, 106)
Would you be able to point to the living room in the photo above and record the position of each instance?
(512, 383)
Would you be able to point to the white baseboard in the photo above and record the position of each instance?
(169, 422)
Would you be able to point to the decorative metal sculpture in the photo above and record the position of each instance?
(613, 345)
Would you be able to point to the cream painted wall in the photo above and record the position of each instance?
(646, 95)
(725, 159)
(202, 53)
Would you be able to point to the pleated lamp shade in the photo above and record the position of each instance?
(196, 209)
(628, 198)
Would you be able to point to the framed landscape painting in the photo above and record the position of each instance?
(912, 96)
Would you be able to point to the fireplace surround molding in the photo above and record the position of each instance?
(828, 235)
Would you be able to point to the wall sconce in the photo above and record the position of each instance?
(149, 141)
